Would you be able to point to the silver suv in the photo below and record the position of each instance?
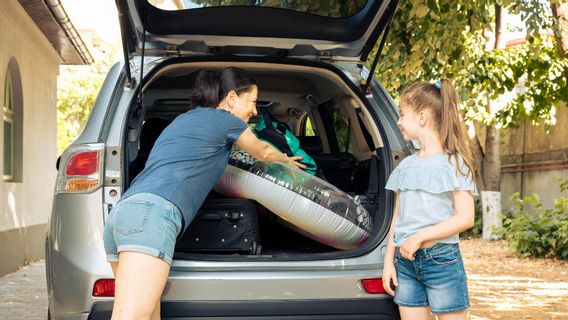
(309, 63)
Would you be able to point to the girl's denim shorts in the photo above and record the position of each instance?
(436, 278)
(143, 222)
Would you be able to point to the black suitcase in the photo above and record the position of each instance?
(223, 225)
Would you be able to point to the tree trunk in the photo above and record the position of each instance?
(478, 154)
(491, 210)
(492, 160)
(491, 163)
(500, 27)
(560, 12)
(491, 195)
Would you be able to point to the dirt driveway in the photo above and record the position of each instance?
(502, 286)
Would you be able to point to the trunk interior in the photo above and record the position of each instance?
(331, 123)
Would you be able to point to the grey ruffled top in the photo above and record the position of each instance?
(425, 186)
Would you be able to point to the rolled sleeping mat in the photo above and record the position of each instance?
(312, 206)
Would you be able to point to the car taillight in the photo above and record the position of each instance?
(104, 288)
(373, 285)
(83, 164)
(80, 169)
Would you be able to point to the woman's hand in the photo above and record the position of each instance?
(263, 151)
(410, 246)
(390, 281)
(293, 161)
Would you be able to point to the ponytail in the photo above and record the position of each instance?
(234, 79)
(441, 99)
(210, 87)
(205, 92)
(451, 130)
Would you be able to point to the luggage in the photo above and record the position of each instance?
(223, 225)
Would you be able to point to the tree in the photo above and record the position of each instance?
(432, 39)
(560, 14)
(77, 88)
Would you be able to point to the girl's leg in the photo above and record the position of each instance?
(458, 315)
(414, 313)
(140, 281)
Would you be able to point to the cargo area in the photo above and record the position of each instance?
(332, 126)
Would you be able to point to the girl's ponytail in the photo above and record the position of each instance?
(441, 99)
(452, 132)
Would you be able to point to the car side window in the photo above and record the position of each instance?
(342, 128)
(308, 129)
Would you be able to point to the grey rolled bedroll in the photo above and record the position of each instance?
(304, 202)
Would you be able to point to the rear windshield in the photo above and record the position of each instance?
(326, 8)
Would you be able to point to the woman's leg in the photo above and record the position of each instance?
(140, 281)
(156, 314)
(458, 315)
(114, 266)
(414, 313)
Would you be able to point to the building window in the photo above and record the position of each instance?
(8, 127)
(12, 121)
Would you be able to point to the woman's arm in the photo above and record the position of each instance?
(461, 221)
(263, 151)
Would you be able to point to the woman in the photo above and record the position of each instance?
(185, 163)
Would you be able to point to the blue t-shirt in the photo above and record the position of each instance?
(188, 158)
(425, 188)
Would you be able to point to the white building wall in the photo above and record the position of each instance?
(27, 204)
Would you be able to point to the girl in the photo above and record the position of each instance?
(185, 163)
(423, 268)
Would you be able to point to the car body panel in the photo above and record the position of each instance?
(75, 256)
(253, 31)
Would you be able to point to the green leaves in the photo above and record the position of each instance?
(420, 11)
(440, 38)
(536, 232)
(428, 40)
(77, 88)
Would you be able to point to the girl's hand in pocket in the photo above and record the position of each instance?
(410, 246)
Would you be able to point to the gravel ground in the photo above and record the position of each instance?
(503, 286)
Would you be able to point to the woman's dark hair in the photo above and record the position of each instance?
(205, 92)
(234, 79)
(210, 87)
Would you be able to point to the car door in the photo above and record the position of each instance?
(316, 30)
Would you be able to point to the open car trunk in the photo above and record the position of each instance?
(323, 110)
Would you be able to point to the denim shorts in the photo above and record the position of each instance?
(143, 222)
(436, 278)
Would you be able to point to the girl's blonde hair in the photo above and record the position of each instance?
(441, 100)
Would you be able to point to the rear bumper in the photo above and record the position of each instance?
(332, 309)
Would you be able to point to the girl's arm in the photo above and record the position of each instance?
(263, 151)
(461, 221)
(389, 270)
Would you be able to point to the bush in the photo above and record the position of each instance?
(533, 231)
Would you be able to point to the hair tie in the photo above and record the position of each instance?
(438, 84)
